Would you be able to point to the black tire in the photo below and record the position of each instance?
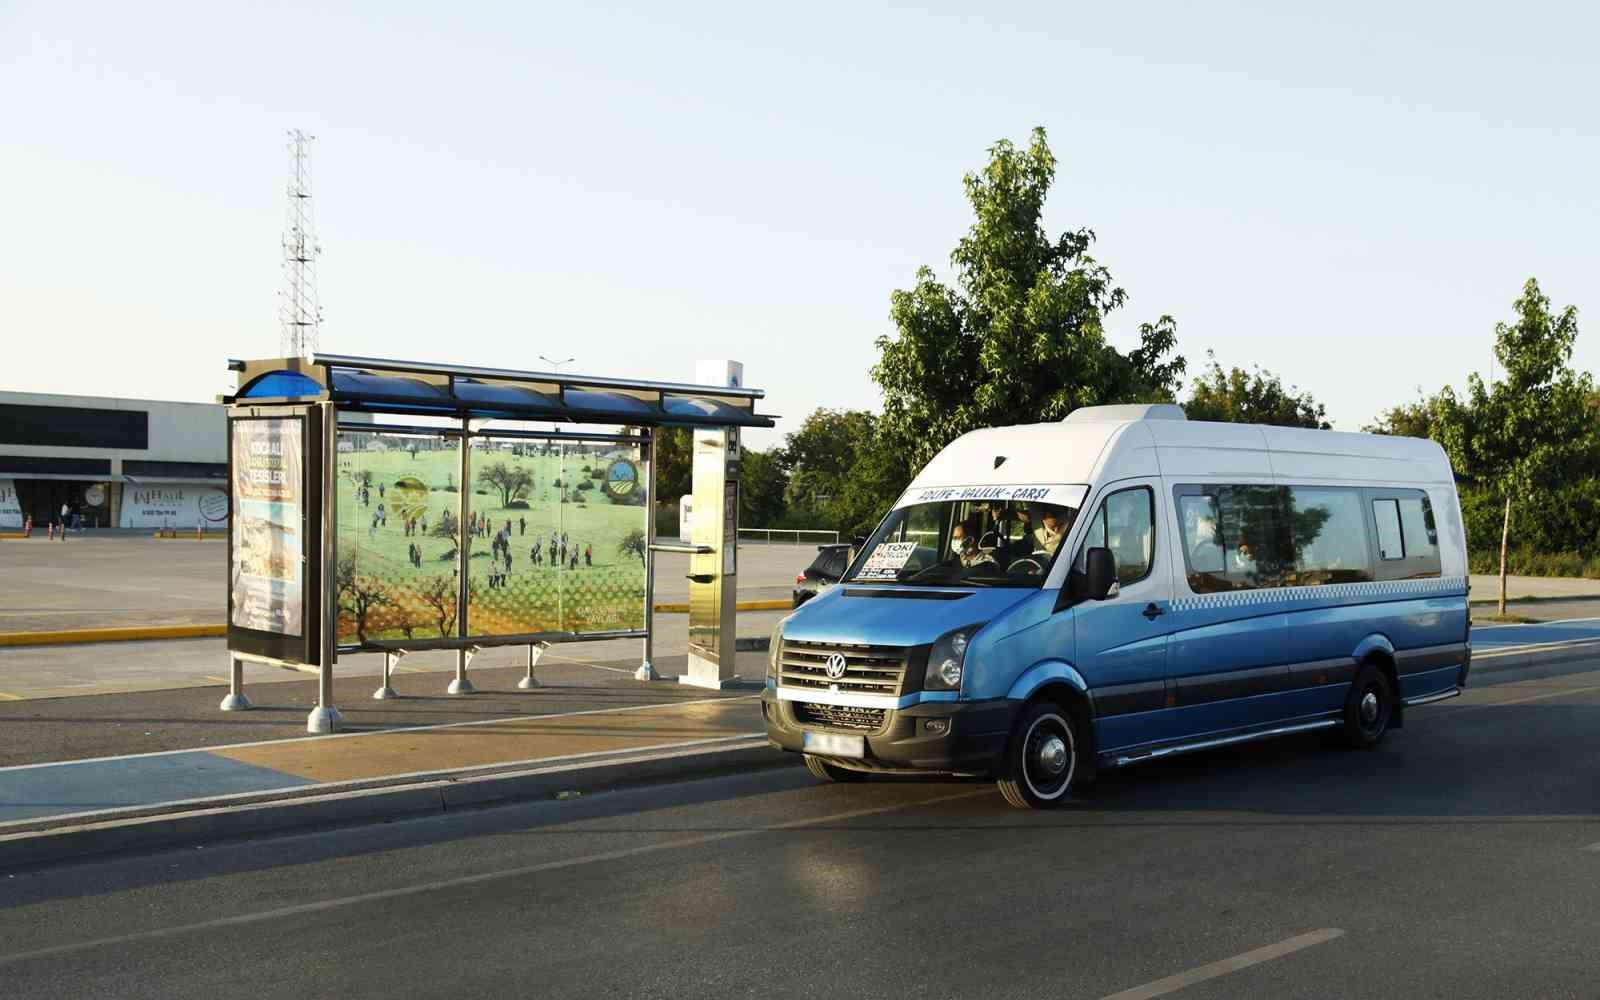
(1042, 764)
(830, 772)
(1369, 708)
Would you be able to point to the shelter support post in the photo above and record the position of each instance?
(462, 684)
(391, 660)
(325, 718)
(235, 700)
(647, 667)
(535, 651)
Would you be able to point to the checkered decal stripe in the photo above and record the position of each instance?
(1448, 586)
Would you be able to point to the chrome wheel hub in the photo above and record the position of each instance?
(1052, 756)
(1369, 708)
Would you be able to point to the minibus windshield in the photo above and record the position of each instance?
(1005, 538)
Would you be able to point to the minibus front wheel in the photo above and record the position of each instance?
(1043, 758)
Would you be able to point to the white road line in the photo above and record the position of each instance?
(1161, 987)
(327, 905)
(1593, 847)
(381, 732)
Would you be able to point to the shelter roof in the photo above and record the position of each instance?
(415, 387)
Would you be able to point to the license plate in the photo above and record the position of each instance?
(834, 745)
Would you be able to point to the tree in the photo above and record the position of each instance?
(1415, 419)
(1532, 431)
(510, 480)
(439, 593)
(674, 463)
(818, 457)
(1021, 337)
(633, 543)
(359, 595)
(761, 487)
(1253, 397)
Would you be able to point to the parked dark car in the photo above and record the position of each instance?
(825, 570)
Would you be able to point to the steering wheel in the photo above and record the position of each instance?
(1028, 565)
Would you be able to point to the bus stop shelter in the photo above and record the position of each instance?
(385, 506)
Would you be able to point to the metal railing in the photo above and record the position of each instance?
(786, 536)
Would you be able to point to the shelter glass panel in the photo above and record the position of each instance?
(556, 536)
(396, 536)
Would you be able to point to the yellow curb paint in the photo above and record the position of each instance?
(372, 755)
(8, 696)
(112, 634)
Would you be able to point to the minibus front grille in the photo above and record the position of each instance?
(858, 720)
(867, 669)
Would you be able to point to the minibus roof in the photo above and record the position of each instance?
(1102, 444)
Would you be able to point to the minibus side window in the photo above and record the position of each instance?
(1233, 537)
(1420, 536)
(1125, 524)
(1329, 536)
(1390, 544)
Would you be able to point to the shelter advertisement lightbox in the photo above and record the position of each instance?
(268, 544)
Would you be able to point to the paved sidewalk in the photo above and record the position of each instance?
(75, 755)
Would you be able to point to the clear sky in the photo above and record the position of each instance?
(1350, 195)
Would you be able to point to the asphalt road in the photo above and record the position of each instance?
(1461, 859)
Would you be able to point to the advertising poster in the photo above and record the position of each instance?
(268, 513)
(10, 506)
(555, 536)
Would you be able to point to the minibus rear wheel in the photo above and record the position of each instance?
(1042, 763)
(830, 772)
(1368, 708)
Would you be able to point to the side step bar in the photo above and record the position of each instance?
(1429, 699)
(1122, 759)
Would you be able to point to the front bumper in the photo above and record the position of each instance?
(972, 736)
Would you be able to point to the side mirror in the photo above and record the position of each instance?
(1100, 573)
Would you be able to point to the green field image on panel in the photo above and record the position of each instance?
(555, 537)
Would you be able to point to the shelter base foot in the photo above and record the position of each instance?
(235, 703)
(324, 719)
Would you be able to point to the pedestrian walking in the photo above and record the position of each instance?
(588, 555)
(522, 526)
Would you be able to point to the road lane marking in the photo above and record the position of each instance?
(1171, 984)
(1593, 847)
(402, 892)
(1533, 697)
(8, 696)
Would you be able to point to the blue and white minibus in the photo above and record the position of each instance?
(1051, 599)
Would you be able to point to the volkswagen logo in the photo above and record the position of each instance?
(835, 666)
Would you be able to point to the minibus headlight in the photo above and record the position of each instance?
(946, 660)
(775, 648)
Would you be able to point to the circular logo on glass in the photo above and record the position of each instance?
(622, 479)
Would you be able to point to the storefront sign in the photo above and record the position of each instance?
(268, 524)
(163, 505)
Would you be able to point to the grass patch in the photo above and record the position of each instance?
(1504, 620)
(1522, 562)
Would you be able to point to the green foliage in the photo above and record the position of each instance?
(1253, 397)
(819, 455)
(513, 481)
(1021, 337)
(674, 462)
(761, 488)
(1528, 562)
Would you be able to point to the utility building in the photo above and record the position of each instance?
(130, 463)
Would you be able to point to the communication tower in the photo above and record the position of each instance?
(299, 313)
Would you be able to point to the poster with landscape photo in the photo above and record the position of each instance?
(554, 535)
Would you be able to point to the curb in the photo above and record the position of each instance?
(134, 633)
(144, 828)
(1532, 655)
